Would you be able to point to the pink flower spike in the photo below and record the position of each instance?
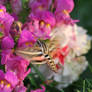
(8, 81)
(39, 5)
(63, 10)
(20, 88)
(7, 43)
(26, 39)
(18, 65)
(6, 21)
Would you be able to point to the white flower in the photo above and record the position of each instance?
(82, 43)
(74, 36)
(77, 40)
(71, 72)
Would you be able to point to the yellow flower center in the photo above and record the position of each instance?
(42, 23)
(28, 43)
(47, 25)
(5, 83)
(8, 85)
(2, 82)
(65, 12)
(1, 10)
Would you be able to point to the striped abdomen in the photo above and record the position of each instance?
(50, 63)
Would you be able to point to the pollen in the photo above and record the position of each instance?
(2, 82)
(8, 85)
(47, 25)
(28, 43)
(65, 12)
(42, 23)
(1, 10)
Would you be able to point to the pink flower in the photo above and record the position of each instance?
(20, 88)
(15, 16)
(26, 39)
(7, 44)
(39, 90)
(67, 5)
(6, 21)
(5, 54)
(43, 22)
(2, 8)
(16, 6)
(45, 16)
(39, 5)
(8, 81)
(18, 65)
(3, 1)
(63, 9)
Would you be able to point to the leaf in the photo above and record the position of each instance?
(90, 68)
(62, 90)
(38, 72)
(1, 34)
(32, 80)
(84, 86)
(89, 83)
(78, 91)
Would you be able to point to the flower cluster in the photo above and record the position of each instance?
(51, 23)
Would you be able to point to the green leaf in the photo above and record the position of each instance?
(62, 90)
(38, 72)
(89, 83)
(1, 34)
(78, 91)
(84, 86)
(90, 67)
(32, 80)
(89, 90)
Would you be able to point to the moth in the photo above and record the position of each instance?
(40, 53)
(45, 52)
